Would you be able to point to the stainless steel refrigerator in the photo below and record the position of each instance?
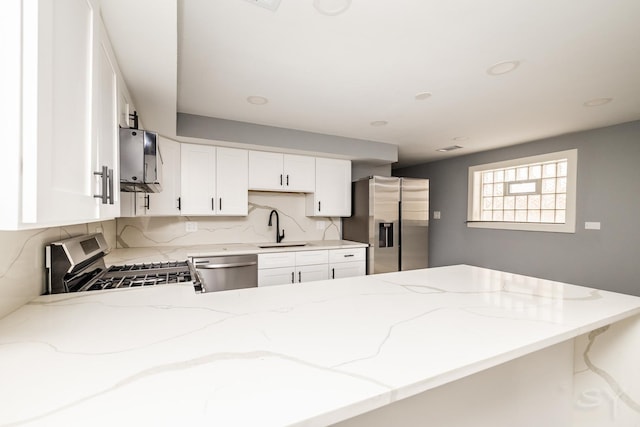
(391, 215)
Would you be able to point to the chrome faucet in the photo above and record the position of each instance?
(279, 236)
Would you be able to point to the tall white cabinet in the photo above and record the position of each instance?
(61, 101)
(214, 180)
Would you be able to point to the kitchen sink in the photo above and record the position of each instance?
(281, 245)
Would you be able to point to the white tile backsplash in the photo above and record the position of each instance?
(172, 231)
(22, 270)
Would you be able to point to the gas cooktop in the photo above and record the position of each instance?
(77, 265)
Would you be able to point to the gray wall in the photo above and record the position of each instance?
(608, 191)
(212, 128)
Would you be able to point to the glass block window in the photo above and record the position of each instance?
(533, 193)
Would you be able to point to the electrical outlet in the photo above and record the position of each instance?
(436, 214)
(320, 225)
(592, 226)
(191, 226)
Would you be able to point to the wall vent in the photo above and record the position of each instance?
(267, 4)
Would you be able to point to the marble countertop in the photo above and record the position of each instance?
(177, 253)
(306, 354)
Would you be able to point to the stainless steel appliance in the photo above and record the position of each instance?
(391, 215)
(140, 161)
(221, 273)
(77, 264)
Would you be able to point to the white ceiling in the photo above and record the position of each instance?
(337, 74)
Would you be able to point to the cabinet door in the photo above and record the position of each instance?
(59, 53)
(232, 175)
(332, 196)
(347, 269)
(265, 171)
(276, 276)
(311, 273)
(299, 173)
(198, 179)
(166, 202)
(107, 146)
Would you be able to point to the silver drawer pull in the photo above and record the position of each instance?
(228, 265)
(349, 255)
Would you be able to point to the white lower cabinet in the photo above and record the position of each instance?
(347, 263)
(308, 266)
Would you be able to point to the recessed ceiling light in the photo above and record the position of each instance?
(422, 96)
(378, 123)
(502, 67)
(331, 7)
(450, 148)
(257, 100)
(460, 138)
(597, 102)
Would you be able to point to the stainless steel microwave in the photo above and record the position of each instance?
(140, 161)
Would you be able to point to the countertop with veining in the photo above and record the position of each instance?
(307, 354)
(177, 253)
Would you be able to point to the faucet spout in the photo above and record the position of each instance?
(279, 237)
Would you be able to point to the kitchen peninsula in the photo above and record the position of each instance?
(397, 348)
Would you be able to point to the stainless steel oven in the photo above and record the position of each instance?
(220, 273)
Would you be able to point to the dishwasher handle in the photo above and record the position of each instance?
(206, 266)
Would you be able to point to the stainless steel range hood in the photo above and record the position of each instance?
(140, 161)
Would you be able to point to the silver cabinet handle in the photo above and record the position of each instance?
(110, 181)
(104, 174)
(224, 265)
(280, 179)
(220, 208)
(147, 201)
(213, 206)
(293, 280)
(349, 255)
(287, 180)
(299, 277)
(333, 273)
(318, 206)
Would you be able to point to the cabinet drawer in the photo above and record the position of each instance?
(278, 259)
(276, 276)
(347, 255)
(312, 257)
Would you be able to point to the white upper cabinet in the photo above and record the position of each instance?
(107, 162)
(281, 172)
(232, 181)
(332, 196)
(299, 173)
(61, 101)
(198, 179)
(168, 201)
(214, 180)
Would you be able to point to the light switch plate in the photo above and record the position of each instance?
(592, 226)
(191, 226)
(320, 225)
(436, 214)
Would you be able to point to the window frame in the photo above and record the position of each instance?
(474, 191)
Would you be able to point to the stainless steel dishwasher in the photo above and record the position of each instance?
(221, 273)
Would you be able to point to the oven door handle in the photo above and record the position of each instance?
(227, 265)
